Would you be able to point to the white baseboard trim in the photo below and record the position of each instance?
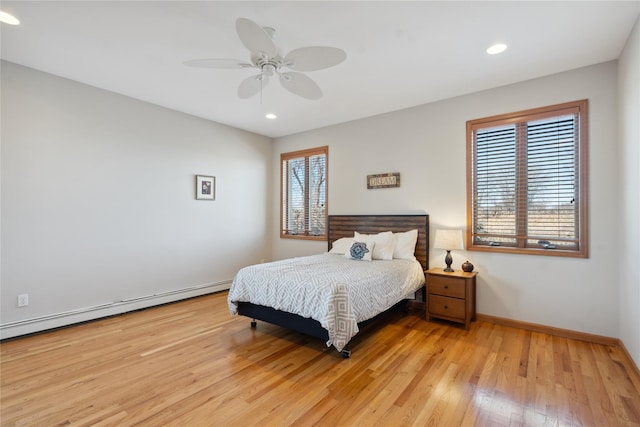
(66, 318)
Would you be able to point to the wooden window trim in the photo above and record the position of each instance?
(306, 154)
(581, 180)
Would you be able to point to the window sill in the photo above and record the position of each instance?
(322, 237)
(529, 251)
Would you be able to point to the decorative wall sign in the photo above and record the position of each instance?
(383, 180)
(205, 187)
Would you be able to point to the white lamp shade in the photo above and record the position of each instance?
(448, 240)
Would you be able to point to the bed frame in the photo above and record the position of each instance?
(344, 226)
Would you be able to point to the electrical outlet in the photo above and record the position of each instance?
(23, 300)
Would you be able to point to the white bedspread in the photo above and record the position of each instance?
(336, 291)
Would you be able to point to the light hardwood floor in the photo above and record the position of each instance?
(192, 364)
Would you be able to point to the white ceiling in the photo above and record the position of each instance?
(399, 54)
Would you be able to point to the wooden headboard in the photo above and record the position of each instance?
(344, 226)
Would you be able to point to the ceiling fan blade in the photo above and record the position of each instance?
(314, 58)
(252, 85)
(225, 63)
(255, 38)
(300, 85)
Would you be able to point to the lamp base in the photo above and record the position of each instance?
(448, 260)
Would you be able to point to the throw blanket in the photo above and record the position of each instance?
(336, 291)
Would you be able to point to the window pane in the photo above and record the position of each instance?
(495, 184)
(317, 195)
(296, 172)
(551, 176)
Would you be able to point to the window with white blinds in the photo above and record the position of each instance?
(303, 189)
(527, 175)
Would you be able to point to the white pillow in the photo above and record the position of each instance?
(405, 245)
(360, 251)
(341, 246)
(384, 243)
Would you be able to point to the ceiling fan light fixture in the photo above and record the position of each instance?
(496, 48)
(269, 69)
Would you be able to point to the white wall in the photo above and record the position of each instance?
(426, 144)
(629, 191)
(98, 202)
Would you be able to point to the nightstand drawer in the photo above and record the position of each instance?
(449, 307)
(448, 286)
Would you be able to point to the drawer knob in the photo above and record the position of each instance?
(446, 307)
(446, 286)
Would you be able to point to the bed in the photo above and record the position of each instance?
(263, 292)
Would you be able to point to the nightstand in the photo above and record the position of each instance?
(451, 295)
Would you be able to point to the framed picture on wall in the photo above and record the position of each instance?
(205, 187)
(383, 180)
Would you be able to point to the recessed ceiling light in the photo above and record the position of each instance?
(8, 18)
(271, 116)
(497, 48)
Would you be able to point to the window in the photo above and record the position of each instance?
(527, 181)
(303, 188)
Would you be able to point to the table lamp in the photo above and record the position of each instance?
(448, 240)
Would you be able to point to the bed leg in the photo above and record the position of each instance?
(254, 323)
(405, 307)
(345, 353)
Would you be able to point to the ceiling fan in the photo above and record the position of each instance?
(266, 57)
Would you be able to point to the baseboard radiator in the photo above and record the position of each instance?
(66, 318)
